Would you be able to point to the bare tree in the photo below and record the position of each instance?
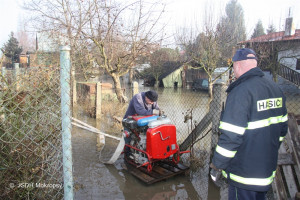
(231, 29)
(205, 49)
(158, 59)
(26, 40)
(114, 33)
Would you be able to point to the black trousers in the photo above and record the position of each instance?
(235, 193)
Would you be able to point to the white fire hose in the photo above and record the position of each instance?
(90, 128)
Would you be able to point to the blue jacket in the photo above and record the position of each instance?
(138, 106)
(252, 127)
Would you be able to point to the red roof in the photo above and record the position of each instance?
(277, 36)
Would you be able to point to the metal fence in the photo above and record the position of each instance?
(186, 109)
(35, 159)
(190, 112)
(31, 133)
(293, 102)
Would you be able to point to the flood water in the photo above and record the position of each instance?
(95, 180)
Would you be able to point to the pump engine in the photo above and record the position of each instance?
(153, 138)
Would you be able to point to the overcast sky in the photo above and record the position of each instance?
(8, 19)
(269, 11)
(183, 12)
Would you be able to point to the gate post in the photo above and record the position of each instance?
(98, 100)
(65, 82)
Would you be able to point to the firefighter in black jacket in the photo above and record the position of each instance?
(253, 126)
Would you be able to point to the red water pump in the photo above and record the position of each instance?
(153, 139)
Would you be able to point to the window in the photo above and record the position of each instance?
(298, 64)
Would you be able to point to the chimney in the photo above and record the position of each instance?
(289, 27)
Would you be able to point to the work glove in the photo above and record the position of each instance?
(215, 174)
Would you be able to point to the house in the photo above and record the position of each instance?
(172, 75)
(183, 75)
(23, 60)
(284, 46)
(177, 74)
(279, 52)
(192, 74)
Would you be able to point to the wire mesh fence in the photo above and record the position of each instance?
(30, 134)
(186, 109)
(31, 155)
(293, 102)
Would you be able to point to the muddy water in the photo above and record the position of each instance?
(95, 180)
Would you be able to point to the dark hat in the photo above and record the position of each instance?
(152, 95)
(242, 54)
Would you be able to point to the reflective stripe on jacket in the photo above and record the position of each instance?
(253, 126)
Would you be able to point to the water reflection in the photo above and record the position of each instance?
(94, 180)
(178, 187)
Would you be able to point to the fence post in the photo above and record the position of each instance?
(17, 74)
(65, 67)
(98, 100)
(135, 88)
(219, 97)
